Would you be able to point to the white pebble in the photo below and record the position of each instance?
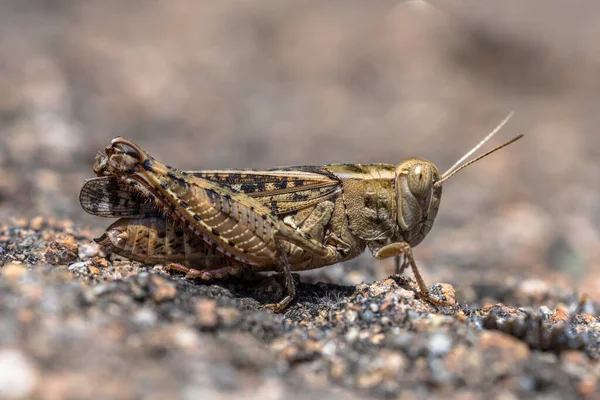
(78, 266)
(18, 377)
(439, 344)
(88, 250)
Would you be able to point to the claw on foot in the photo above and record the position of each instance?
(429, 297)
(279, 307)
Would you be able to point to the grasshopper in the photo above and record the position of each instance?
(214, 223)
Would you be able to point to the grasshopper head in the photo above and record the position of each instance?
(419, 189)
(418, 198)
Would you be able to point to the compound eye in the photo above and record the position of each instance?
(420, 179)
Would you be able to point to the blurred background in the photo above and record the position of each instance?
(240, 84)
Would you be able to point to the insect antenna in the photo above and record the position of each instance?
(484, 141)
(457, 165)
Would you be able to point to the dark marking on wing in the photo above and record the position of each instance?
(245, 187)
(283, 190)
(147, 165)
(108, 197)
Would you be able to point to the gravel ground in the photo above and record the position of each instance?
(204, 85)
(75, 324)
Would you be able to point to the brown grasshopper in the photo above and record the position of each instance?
(282, 219)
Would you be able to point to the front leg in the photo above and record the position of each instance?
(403, 248)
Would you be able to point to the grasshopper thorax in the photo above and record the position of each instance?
(418, 198)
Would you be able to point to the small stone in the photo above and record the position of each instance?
(367, 316)
(145, 318)
(78, 266)
(573, 357)
(378, 339)
(504, 345)
(461, 359)
(19, 377)
(389, 282)
(448, 292)
(100, 262)
(13, 271)
(290, 352)
(587, 386)
(352, 334)
(63, 250)
(439, 373)
(228, 316)
(369, 379)
(500, 308)
(393, 363)
(351, 316)
(329, 349)
(93, 270)
(374, 307)
(88, 296)
(587, 318)
(37, 223)
(439, 344)
(533, 288)
(186, 338)
(405, 294)
(559, 315)
(88, 250)
(381, 287)
(338, 369)
(162, 290)
(206, 313)
(545, 311)
(413, 315)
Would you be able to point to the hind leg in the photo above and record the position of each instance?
(206, 274)
(285, 269)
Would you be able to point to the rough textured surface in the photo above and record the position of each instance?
(236, 84)
(69, 315)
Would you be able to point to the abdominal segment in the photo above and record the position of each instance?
(158, 241)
